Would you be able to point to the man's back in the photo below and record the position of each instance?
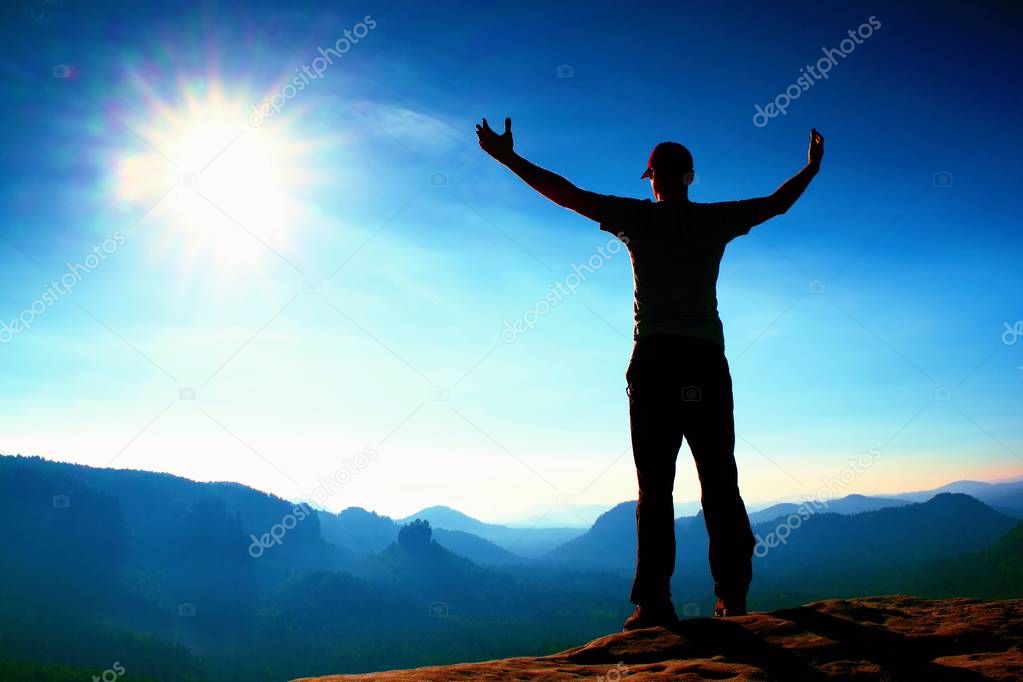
(676, 249)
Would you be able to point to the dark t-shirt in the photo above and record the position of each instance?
(676, 248)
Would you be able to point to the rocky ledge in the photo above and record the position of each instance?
(875, 638)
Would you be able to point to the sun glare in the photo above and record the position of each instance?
(230, 192)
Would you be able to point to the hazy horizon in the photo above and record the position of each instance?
(576, 517)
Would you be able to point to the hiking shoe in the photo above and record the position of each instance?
(730, 607)
(651, 617)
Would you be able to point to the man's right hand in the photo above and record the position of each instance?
(765, 208)
(498, 146)
(816, 151)
(551, 185)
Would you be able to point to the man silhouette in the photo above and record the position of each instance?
(678, 379)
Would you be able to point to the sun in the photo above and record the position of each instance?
(227, 193)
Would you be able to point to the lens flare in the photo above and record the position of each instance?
(227, 193)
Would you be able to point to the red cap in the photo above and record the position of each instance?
(669, 157)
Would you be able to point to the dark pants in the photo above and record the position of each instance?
(680, 386)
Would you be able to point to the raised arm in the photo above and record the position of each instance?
(785, 196)
(551, 185)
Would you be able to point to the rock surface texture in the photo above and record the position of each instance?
(874, 638)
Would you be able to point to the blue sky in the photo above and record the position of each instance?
(338, 277)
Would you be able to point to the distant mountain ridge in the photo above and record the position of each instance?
(526, 542)
(208, 581)
(1006, 496)
(363, 532)
(850, 504)
(798, 556)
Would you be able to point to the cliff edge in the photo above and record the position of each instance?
(875, 638)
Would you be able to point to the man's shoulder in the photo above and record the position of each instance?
(625, 201)
(616, 214)
(728, 218)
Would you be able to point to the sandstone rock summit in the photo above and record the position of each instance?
(875, 638)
